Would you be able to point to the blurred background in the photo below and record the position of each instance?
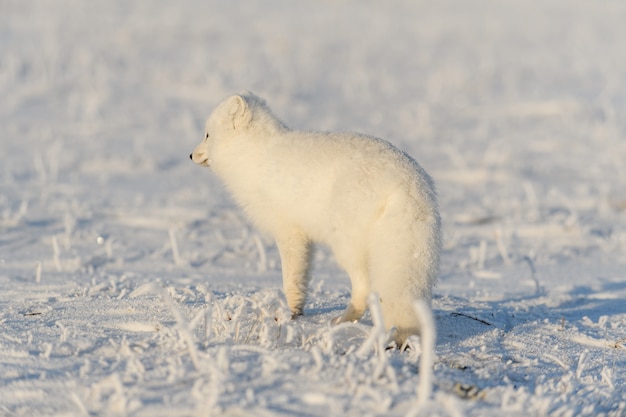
(517, 109)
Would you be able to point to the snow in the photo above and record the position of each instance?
(130, 284)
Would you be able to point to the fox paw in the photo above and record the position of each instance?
(343, 319)
(296, 314)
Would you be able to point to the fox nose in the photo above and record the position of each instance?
(191, 156)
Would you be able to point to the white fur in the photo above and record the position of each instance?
(371, 203)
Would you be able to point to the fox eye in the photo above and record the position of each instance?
(206, 137)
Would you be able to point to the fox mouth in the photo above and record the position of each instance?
(205, 162)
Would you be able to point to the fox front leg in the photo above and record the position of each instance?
(295, 256)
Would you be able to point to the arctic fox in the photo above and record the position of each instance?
(372, 204)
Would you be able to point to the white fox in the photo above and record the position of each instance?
(372, 204)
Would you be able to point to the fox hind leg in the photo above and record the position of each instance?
(359, 280)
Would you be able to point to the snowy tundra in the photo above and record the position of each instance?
(372, 204)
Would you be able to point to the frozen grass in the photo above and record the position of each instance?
(131, 285)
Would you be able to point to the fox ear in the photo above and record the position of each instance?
(239, 112)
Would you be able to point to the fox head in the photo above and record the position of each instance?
(238, 116)
(231, 116)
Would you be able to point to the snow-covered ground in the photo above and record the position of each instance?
(130, 284)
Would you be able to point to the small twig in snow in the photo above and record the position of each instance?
(80, 404)
(502, 248)
(68, 224)
(55, 255)
(607, 377)
(581, 363)
(378, 331)
(471, 317)
(316, 353)
(252, 330)
(183, 328)
(237, 328)
(208, 318)
(38, 272)
(557, 361)
(533, 274)
(427, 339)
(174, 245)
